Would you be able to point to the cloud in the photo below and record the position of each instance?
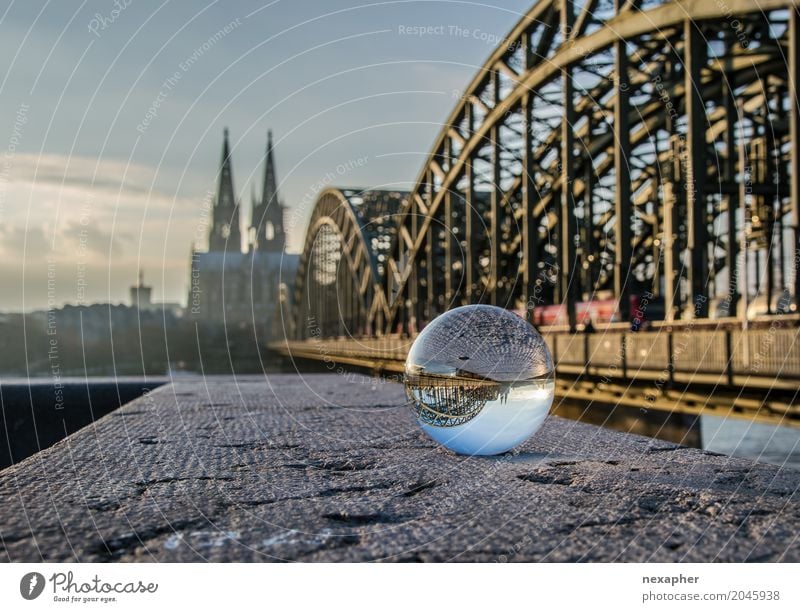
(106, 178)
(83, 215)
(93, 239)
(17, 242)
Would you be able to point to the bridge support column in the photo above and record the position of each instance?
(589, 242)
(413, 279)
(567, 222)
(744, 245)
(794, 126)
(430, 296)
(694, 60)
(672, 204)
(622, 198)
(732, 200)
(497, 194)
(671, 246)
(448, 250)
(768, 207)
(529, 226)
(472, 220)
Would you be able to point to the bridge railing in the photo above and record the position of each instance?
(765, 357)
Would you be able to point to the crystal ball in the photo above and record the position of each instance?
(480, 380)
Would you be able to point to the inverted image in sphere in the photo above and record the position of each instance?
(481, 380)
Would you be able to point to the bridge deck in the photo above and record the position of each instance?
(327, 467)
(673, 371)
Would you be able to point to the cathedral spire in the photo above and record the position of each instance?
(270, 192)
(225, 232)
(268, 215)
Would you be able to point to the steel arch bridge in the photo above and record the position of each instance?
(605, 150)
(339, 287)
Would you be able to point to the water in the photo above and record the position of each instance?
(775, 444)
(480, 380)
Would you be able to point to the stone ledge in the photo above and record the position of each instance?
(332, 468)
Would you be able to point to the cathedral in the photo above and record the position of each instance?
(244, 288)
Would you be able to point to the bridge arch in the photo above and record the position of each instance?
(339, 291)
(610, 149)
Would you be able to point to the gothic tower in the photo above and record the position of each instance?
(225, 233)
(267, 223)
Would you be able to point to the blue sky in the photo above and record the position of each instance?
(94, 185)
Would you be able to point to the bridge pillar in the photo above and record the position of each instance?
(744, 202)
(430, 236)
(589, 243)
(794, 126)
(567, 222)
(413, 279)
(497, 195)
(729, 173)
(622, 197)
(448, 248)
(768, 207)
(671, 242)
(694, 60)
(529, 226)
(472, 220)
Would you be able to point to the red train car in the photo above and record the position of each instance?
(643, 308)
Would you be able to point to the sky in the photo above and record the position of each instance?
(112, 114)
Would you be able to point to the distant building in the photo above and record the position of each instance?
(142, 299)
(141, 294)
(236, 288)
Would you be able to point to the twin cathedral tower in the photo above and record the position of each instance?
(236, 288)
(266, 227)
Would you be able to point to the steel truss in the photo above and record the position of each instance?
(605, 148)
(339, 288)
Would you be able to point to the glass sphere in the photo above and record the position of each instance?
(480, 379)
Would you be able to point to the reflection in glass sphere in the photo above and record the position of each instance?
(481, 380)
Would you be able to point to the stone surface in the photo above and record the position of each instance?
(329, 467)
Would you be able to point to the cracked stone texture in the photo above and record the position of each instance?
(333, 468)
